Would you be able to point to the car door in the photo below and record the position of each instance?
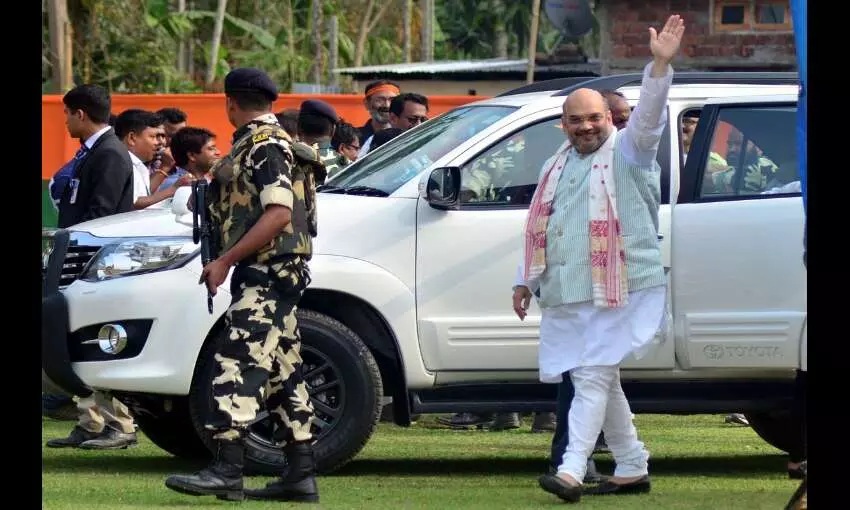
(737, 228)
(467, 258)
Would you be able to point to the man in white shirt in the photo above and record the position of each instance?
(143, 133)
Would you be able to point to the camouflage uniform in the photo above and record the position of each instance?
(488, 176)
(757, 175)
(328, 156)
(338, 165)
(260, 360)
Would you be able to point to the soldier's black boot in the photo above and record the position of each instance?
(298, 482)
(222, 479)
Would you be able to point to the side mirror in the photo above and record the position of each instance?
(180, 201)
(180, 205)
(442, 191)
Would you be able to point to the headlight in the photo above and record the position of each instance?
(143, 255)
(46, 247)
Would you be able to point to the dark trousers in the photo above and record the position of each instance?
(562, 408)
(798, 417)
(50, 402)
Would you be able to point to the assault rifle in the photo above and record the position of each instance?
(202, 227)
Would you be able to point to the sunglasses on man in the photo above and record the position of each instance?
(415, 119)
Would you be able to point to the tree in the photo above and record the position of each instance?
(216, 41)
(134, 46)
(60, 49)
(316, 36)
(367, 25)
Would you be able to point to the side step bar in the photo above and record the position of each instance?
(654, 397)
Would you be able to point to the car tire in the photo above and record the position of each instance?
(169, 426)
(775, 427)
(347, 403)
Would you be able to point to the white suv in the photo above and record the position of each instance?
(412, 277)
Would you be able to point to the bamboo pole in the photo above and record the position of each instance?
(216, 42)
(532, 40)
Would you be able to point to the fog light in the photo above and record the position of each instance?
(112, 339)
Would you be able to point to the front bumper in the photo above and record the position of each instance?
(56, 369)
(164, 314)
(56, 365)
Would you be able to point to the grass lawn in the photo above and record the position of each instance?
(698, 462)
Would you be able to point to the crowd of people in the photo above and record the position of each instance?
(139, 158)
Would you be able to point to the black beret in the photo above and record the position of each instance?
(247, 79)
(319, 107)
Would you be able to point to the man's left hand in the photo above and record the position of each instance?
(214, 273)
(665, 45)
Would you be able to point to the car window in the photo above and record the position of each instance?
(506, 173)
(402, 158)
(753, 152)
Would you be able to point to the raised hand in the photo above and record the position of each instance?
(665, 45)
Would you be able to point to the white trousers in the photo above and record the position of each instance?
(600, 404)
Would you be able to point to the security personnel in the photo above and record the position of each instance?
(263, 205)
(317, 122)
(489, 176)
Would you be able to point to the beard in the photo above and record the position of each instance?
(590, 140)
(381, 115)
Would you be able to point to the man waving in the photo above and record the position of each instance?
(592, 251)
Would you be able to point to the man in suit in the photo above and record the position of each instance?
(102, 183)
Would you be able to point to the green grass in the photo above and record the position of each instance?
(698, 462)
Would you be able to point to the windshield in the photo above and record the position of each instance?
(403, 158)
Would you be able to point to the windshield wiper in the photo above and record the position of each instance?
(366, 190)
(329, 188)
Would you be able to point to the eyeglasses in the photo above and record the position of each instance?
(414, 119)
(578, 119)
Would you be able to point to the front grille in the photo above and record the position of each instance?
(76, 259)
(46, 250)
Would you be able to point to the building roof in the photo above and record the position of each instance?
(496, 68)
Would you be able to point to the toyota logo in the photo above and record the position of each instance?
(713, 351)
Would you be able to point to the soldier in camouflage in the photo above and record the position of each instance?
(263, 205)
(317, 122)
(758, 174)
(487, 177)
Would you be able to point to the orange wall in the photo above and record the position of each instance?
(204, 110)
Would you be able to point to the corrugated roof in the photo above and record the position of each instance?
(445, 66)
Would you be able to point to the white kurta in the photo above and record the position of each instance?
(583, 335)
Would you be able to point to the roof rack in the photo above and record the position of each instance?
(617, 81)
(553, 85)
